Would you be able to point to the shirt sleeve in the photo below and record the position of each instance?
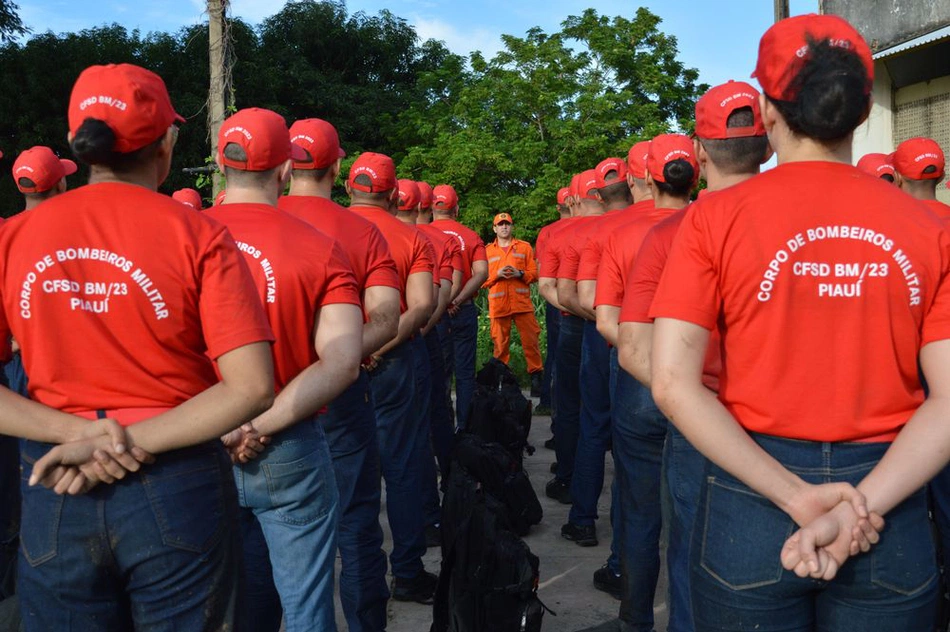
(609, 277)
(458, 263)
(340, 285)
(688, 288)
(380, 267)
(232, 314)
(644, 279)
(590, 259)
(549, 261)
(422, 260)
(570, 258)
(936, 325)
(478, 252)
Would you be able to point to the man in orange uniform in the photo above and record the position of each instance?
(511, 271)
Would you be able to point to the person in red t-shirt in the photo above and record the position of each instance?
(308, 289)
(879, 166)
(440, 397)
(459, 332)
(349, 421)
(730, 145)
(373, 191)
(826, 285)
(39, 174)
(920, 164)
(123, 300)
(188, 197)
(551, 315)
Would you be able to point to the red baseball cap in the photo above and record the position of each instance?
(573, 190)
(379, 168)
(502, 217)
(425, 195)
(263, 136)
(131, 100)
(714, 108)
(587, 185)
(41, 165)
(915, 155)
(409, 195)
(666, 148)
(876, 165)
(783, 51)
(189, 197)
(444, 197)
(637, 159)
(562, 195)
(319, 139)
(219, 198)
(617, 166)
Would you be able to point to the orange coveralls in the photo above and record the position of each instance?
(510, 300)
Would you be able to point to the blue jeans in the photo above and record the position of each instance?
(552, 321)
(16, 378)
(440, 414)
(432, 506)
(350, 426)
(464, 328)
(594, 437)
(292, 491)
(393, 385)
(568, 395)
(737, 581)
(156, 551)
(639, 433)
(261, 601)
(684, 467)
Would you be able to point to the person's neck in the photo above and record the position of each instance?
(641, 195)
(924, 194)
(424, 218)
(32, 204)
(619, 205)
(242, 195)
(670, 201)
(147, 178)
(792, 148)
(588, 209)
(504, 242)
(406, 218)
(716, 181)
(311, 188)
(438, 216)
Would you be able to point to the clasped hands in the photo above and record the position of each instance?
(835, 525)
(508, 271)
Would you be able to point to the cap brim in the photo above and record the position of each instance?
(69, 167)
(342, 153)
(179, 118)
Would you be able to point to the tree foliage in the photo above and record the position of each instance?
(507, 131)
(11, 26)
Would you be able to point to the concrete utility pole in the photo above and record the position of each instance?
(781, 9)
(216, 10)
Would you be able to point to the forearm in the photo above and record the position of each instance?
(409, 323)
(633, 350)
(381, 304)
(920, 451)
(548, 289)
(586, 291)
(608, 317)
(445, 295)
(34, 421)
(312, 389)
(567, 296)
(469, 290)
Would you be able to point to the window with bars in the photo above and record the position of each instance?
(930, 117)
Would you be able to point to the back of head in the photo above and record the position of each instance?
(445, 200)
(672, 164)
(877, 165)
(38, 172)
(612, 183)
(729, 127)
(118, 116)
(252, 144)
(818, 71)
(921, 164)
(372, 179)
(188, 197)
(588, 195)
(320, 143)
(409, 196)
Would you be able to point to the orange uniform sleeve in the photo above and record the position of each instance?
(231, 311)
(531, 272)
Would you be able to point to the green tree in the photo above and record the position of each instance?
(512, 130)
(11, 26)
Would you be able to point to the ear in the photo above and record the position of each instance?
(898, 180)
(394, 196)
(649, 179)
(769, 113)
(349, 190)
(284, 173)
(61, 186)
(219, 162)
(335, 169)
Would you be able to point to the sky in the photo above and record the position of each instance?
(720, 39)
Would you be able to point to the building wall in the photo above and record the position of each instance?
(876, 134)
(884, 23)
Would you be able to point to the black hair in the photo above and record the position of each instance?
(309, 174)
(888, 177)
(679, 175)
(616, 193)
(259, 179)
(93, 144)
(832, 94)
(738, 155)
(365, 181)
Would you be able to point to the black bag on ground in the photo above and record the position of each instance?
(500, 412)
(489, 578)
(500, 475)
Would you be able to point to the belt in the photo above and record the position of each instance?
(125, 416)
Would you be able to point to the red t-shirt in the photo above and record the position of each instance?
(365, 247)
(824, 282)
(644, 279)
(543, 236)
(120, 297)
(406, 245)
(447, 251)
(619, 253)
(593, 250)
(297, 270)
(434, 256)
(581, 231)
(938, 208)
(470, 244)
(549, 262)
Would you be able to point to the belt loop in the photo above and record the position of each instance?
(100, 414)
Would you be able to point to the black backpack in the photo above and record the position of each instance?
(489, 578)
(498, 473)
(500, 413)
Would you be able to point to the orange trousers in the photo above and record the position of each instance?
(528, 327)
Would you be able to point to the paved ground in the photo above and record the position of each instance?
(566, 569)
